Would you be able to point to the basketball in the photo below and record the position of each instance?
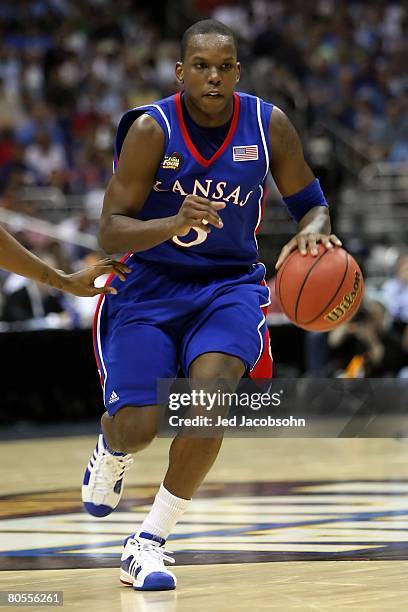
(318, 293)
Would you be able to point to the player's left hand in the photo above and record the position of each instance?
(307, 242)
(82, 283)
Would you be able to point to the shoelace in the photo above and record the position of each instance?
(150, 554)
(116, 466)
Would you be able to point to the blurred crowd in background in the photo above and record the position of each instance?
(68, 70)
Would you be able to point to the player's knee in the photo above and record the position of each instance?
(212, 366)
(134, 440)
(136, 427)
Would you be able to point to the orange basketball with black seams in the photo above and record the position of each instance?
(318, 293)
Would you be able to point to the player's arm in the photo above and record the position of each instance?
(119, 230)
(299, 188)
(16, 258)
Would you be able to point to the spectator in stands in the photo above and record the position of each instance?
(395, 291)
(395, 294)
(45, 157)
(26, 300)
(366, 346)
(389, 128)
(17, 166)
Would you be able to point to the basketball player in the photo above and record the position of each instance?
(15, 258)
(186, 200)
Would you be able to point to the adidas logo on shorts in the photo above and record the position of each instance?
(113, 398)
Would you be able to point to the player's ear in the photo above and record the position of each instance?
(179, 72)
(238, 72)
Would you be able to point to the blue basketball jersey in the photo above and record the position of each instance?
(235, 174)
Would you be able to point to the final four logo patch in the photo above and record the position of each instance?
(172, 162)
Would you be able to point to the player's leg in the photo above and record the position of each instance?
(190, 459)
(132, 357)
(191, 456)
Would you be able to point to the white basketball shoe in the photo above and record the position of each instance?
(102, 485)
(142, 563)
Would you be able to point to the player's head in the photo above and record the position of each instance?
(208, 62)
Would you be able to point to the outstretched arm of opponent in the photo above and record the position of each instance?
(15, 258)
(119, 230)
(293, 176)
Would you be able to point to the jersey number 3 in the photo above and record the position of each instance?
(201, 237)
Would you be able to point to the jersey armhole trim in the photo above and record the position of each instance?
(262, 132)
(156, 113)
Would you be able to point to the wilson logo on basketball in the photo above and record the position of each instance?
(348, 299)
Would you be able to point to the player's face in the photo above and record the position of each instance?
(210, 72)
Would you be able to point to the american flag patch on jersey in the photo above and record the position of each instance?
(247, 153)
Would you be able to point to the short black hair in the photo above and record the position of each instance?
(206, 26)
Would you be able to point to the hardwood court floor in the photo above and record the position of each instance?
(282, 524)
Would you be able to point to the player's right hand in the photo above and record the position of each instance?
(198, 212)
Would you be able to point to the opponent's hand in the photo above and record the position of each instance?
(82, 283)
(307, 242)
(197, 212)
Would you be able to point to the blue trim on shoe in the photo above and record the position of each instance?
(118, 485)
(157, 581)
(98, 510)
(126, 564)
(87, 476)
(128, 538)
(150, 536)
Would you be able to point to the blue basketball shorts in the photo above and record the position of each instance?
(158, 324)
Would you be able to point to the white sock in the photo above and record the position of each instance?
(167, 509)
